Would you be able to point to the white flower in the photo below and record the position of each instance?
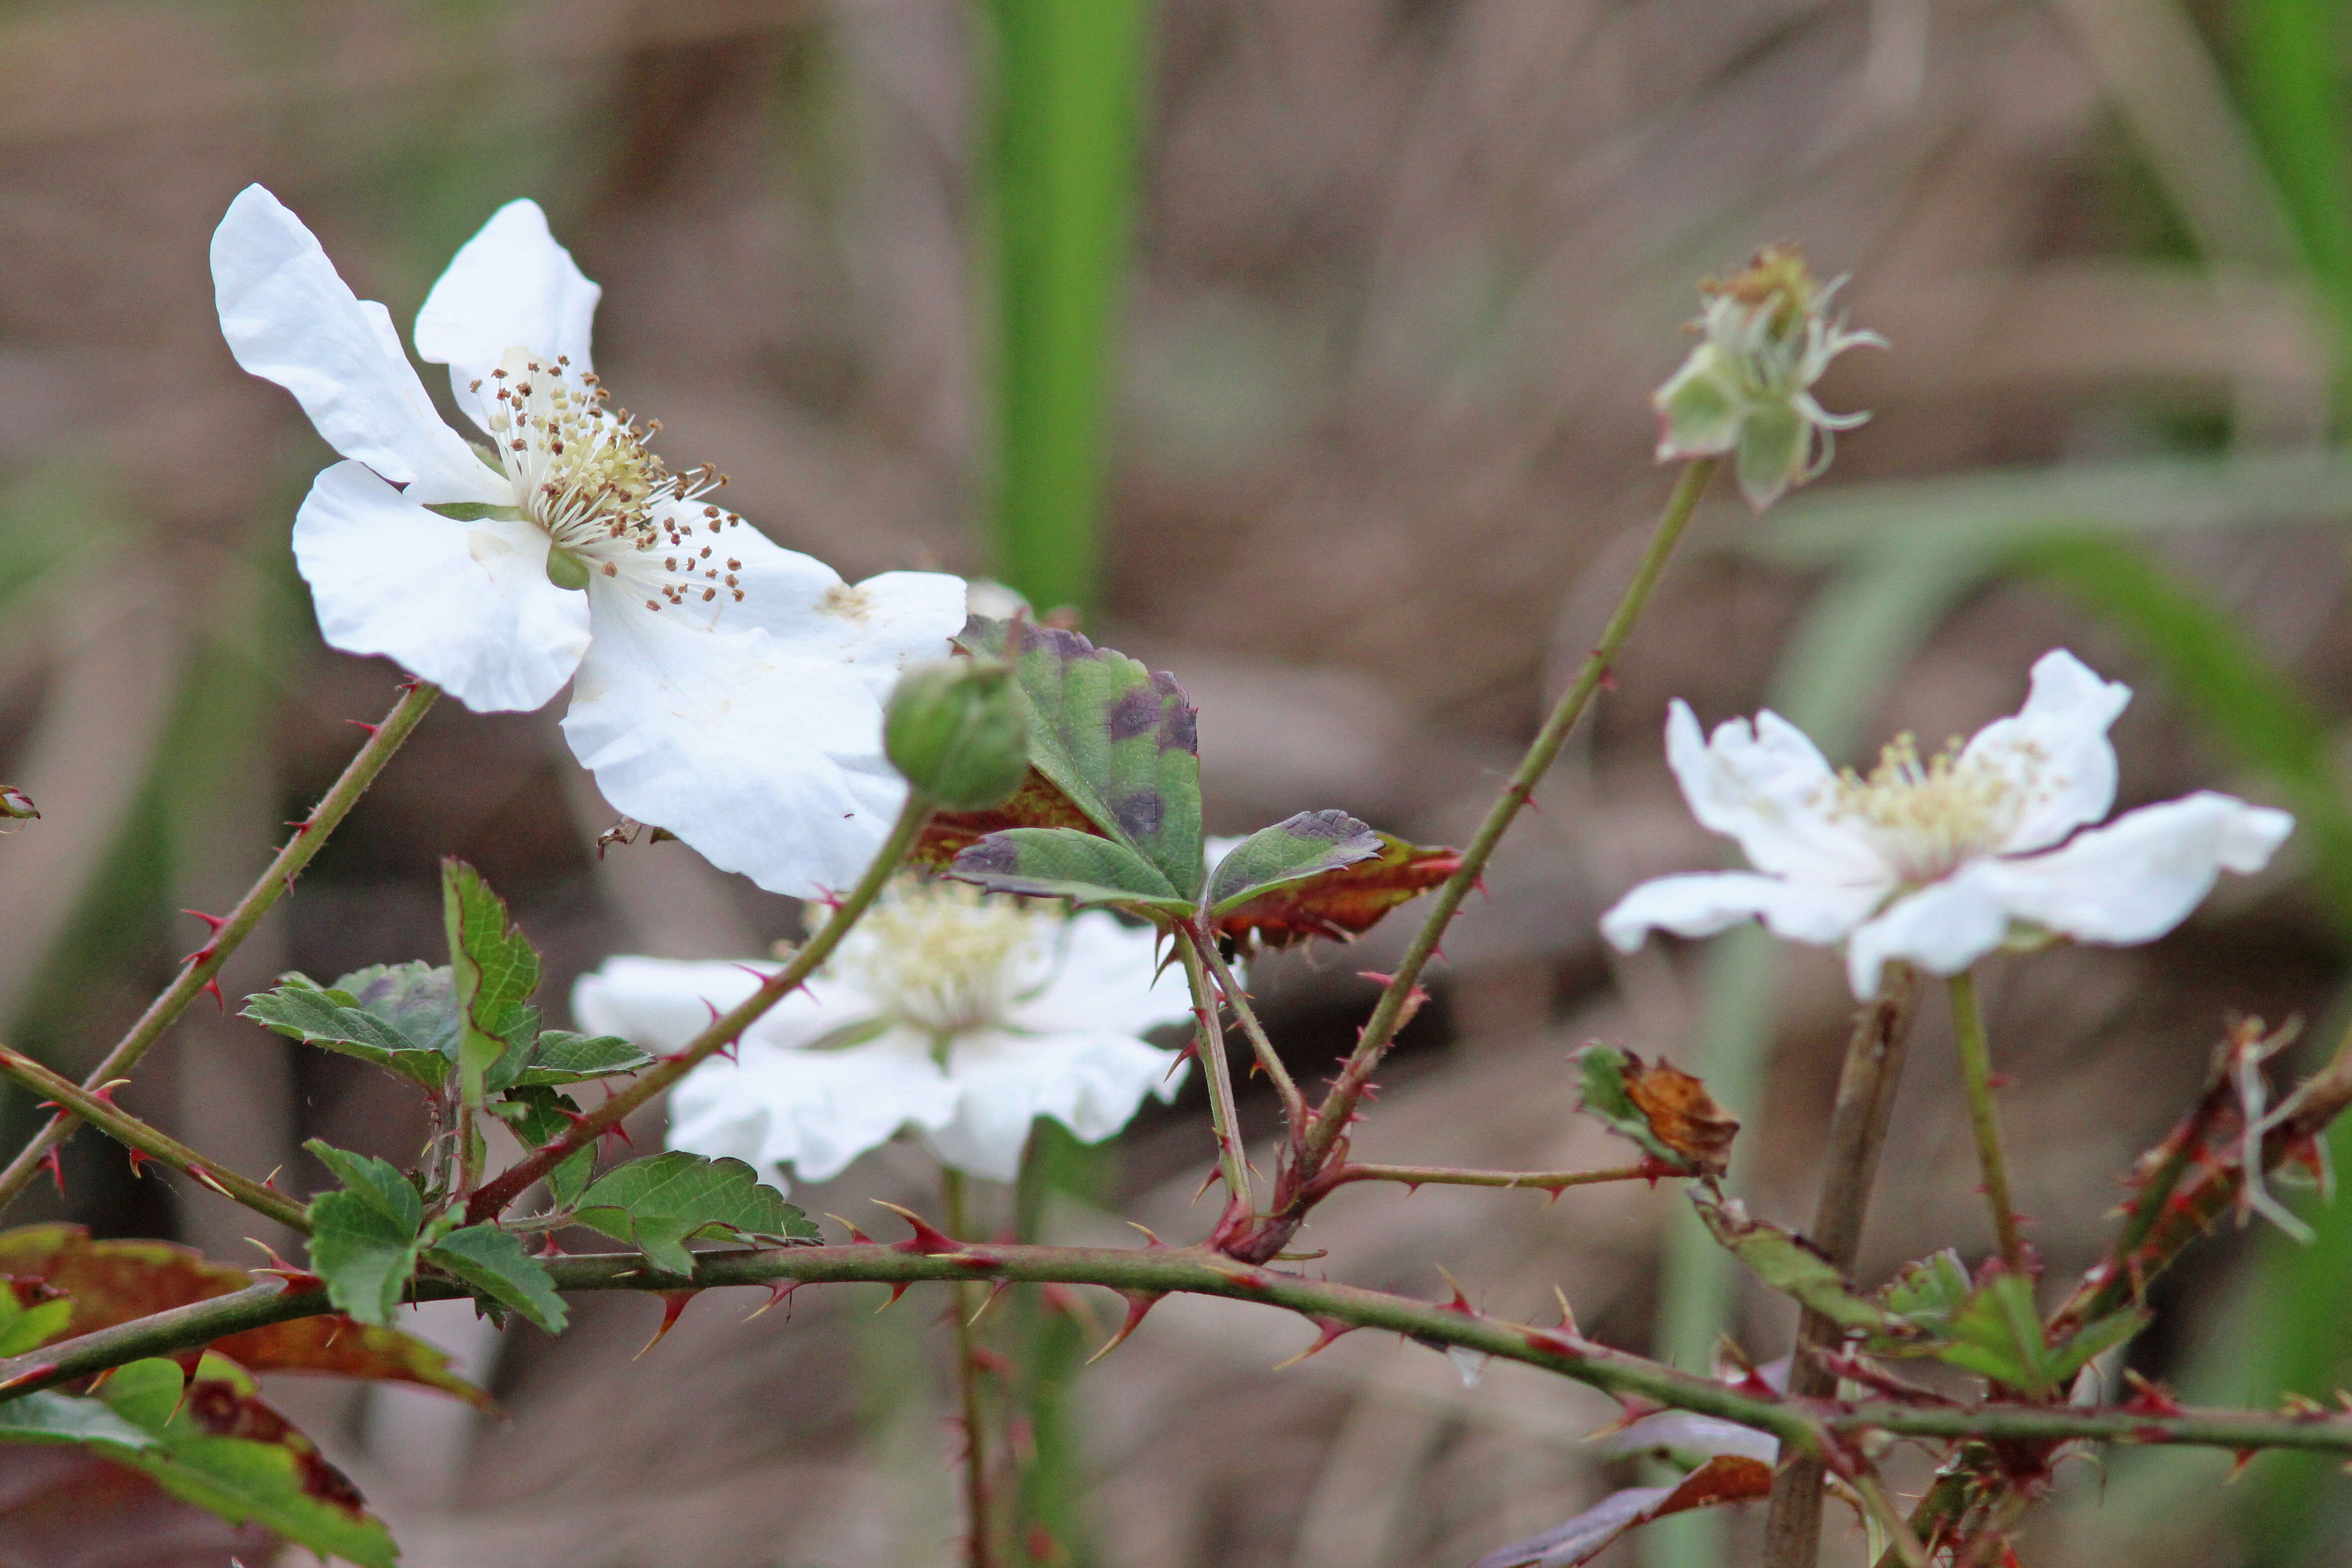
(724, 689)
(1941, 861)
(960, 1015)
(1747, 388)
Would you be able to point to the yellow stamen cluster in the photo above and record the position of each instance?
(945, 958)
(590, 477)
(1927, 818)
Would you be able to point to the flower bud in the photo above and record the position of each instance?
(16, 806)
(957, 733)
(1747, 388)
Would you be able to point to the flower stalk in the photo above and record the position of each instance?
(1984, 1117)
(1294, 1187)
(1857, 1135)
(1232, 1161)
(493, 1196)
(199, 971)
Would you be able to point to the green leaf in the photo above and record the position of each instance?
(267, 1472)
(1998, 1334)
(658, 1202)
(402, 1017)
(569, 1178)
(536, 1112)
(495, 971)
(492, 1261)
(24, 1328)
(1120, 740)
(1789, 1265)
(1307, 845)
(47, 1416)
(477, 511)
(563, 1056)
(1931, 1293)
(363, 1239)
(1063, 863)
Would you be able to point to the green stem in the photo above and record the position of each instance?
(1338, 1106)
(979, 1537)
(503, 1189)
(1294, 1104)
(1232, 1161)
(200, 968)
(152, 1142)
(1197, 1270)
(1984, 1120)
(1553, 1182)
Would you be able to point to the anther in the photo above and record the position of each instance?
(709, 595)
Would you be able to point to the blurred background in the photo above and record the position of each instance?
(1303, 348)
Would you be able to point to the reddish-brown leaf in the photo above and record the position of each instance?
(1342, 904)
(64, 1505)
(114, 1281)
(1727, 1477)
(1039, 803)
(1682, 1114)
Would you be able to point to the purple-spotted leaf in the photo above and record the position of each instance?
(1307, 845)
(1727, 1477)
(1057, 863)
(1117, 739)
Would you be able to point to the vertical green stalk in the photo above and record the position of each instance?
(1049, 1524)
(1984, 1117)
(1062, 91)
(980, 1529)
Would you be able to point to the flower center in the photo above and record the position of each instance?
(609, 505)
(945, 958)
(1927, 817)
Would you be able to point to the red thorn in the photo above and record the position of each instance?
(1151, 1242)
(896, 1290)
(1375, 977)
(928, 1241)
(987, 1360)
(778, 1292)
(213, 922)
(137, 1158)
(363, 724)
(1608, 681)
(302, 827)
(212, 988)
(2148, 1399)
(547, 1246)
(1460, 1305)
(1327, 1329)
(1139, 1303)
(199, 1173)
(673, 1303)
(57, 1169)
(851, 1225)
(30, 1374)
(297, 1279)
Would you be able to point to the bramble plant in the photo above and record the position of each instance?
(998, 827)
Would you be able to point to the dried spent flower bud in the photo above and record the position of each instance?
(16, 806)
(1747, 388)
(956, 732)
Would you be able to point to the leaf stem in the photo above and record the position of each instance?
(1389, 1014)
(1984, 1117)
(493, 1196)
(1199, 1271)
(979, 1537)
(1294, 1104)
(201, 969)
(1552, 1182)
(1232, 1162)
(1865, 1098)
(150, 1142)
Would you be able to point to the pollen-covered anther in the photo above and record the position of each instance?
(1928, 816)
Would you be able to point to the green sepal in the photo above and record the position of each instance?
(1774, 444)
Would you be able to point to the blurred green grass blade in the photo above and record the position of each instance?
(2291, 64)
(1064, 101)
(1049, 1353)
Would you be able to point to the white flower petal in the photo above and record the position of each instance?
(1092, 1083)
(767, 763)
(2055, 751)
(1106, 976)
(659, 1004)
(289, 318)
(813, 1110)
(511, 287)
(1943, 928)
(2139, 876)
(1768, 787)
(875, 627)
(1701, 904)
(466, 605)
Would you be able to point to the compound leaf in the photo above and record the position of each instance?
(659, 1203)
